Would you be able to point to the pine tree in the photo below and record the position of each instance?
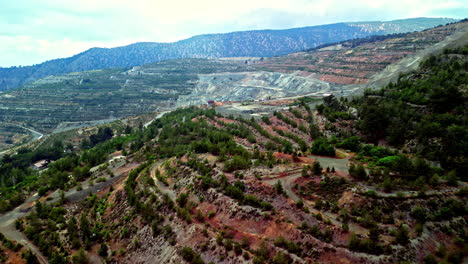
(316, 168)
(279, 188)
(85, 227)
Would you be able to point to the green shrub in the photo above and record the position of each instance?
(351, 143)
(388, 161)
(103, 250)
(321, 146)
(237, 163)
(191, 256)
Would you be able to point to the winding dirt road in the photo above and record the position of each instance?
(288, 183)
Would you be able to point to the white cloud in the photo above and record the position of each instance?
(34, 30)
(19, 49)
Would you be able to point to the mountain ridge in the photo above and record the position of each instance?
(256, 43)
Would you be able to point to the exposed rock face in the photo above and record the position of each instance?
(250, 86)
(151, 249)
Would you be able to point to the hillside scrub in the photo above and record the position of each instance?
(194, 186)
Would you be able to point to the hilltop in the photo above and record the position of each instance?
(259, 43)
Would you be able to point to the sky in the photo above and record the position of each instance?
(33, 31)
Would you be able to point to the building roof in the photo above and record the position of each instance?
(41, 163)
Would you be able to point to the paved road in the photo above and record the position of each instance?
(7, 220)
(36, 135)
(7, 227)
(157, 117)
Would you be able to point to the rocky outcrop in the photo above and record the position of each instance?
(244, 86)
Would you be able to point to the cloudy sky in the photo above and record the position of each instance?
(32, 31)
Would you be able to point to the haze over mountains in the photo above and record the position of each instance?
(259, 43)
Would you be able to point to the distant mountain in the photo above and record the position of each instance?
(258, 43)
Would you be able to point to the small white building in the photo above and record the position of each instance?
(41, 164)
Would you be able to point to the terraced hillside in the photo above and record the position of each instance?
(105, 94)
(85, 98)
(374, 178)
(377, 178)
(354, 62)
(11, 135)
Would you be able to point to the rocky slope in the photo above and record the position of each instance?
(189, 199)
(250, 86)
(378, 178)
(355, 62)
(236, 44)
(105, 95)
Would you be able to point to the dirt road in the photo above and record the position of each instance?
(339, 164)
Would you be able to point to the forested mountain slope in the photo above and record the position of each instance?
(424, 112)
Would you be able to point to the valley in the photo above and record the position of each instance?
(61, 102)
(104, 94)
(289, 159)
